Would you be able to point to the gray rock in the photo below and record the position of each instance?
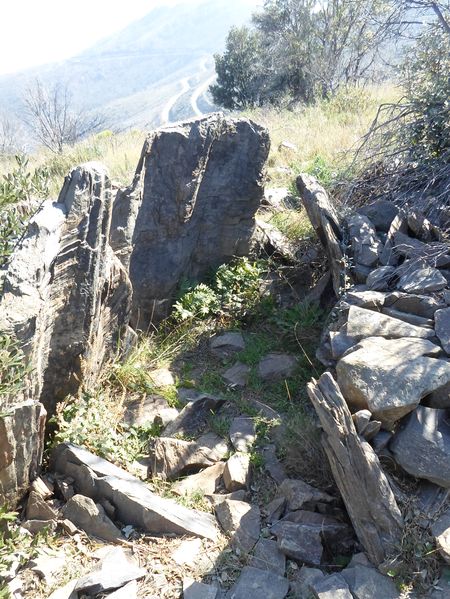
(206, 481)
(254, 582)
(47, 566)
(171, 458)
(421, 280)
(65, 592)
(217, 498)
(439, 398)
(268, 240)
(299, 541)
(276, 365)
(129, 591)
(390, 377)
(236, 474)
(193, 417)
(197, 590)
(237, 375)
(242, 521)
(366, 246)
(442, 327)
(364, 298)
(422, 445)
(421, 305)
(381, 213)
(37, 526)
(116, 570)
(302, 585)
(441, 589)
(341, 341)
(441, 532)
(267, 556)
(275, 509)
(91, 518)
(408, 247)
(388, 256)
(419, 321)
(149, 410)
(43, 487)
(227, 344)
(367, 323)
(135, 504)
(243, 433)
(381, 441)
(381, 278)
(38, 509)
(332, 587)
(299, 495)
(446, 295)
(368, 583)
(273, 465)
(190, 208)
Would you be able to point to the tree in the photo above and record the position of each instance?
(54, 120)
(239, 71)
(8, 136)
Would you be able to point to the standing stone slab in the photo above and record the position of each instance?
(190, 208)
(422, 445)
(443, 328)
(366, 247)
(364, 487)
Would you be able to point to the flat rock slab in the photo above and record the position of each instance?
(299, 495)
(237, 375)
(91, 518)
(194, 417)
(421, 280)
(441, 532)
(299, 541)
(171, 458)
(133, 501)
(368, 583)
(116, 570)
(242, 521)
(267, 556)
(332, 587)
(421, 305)
(236, 474)
(390, 377)
(227, 344)
(367, 323)
(419, 321)
(197, 590)
(254, 583)
(206, 481)
(149, 410)
(442, 327)
(422, 445)
(243, 433)
(276, 366)
(381, 278)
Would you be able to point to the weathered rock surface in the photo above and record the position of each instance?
(236, 474)
(91, 518)
(366, 246)
(390, 377)
(133, 501)
(368, 583)
(227, 344)
(149, 410)
(299, 495)
(267, 556)
(380, 213)
(270, 241)
(241, 520)
(273, 465)
(205, 481)
(421, 280)
(299, 541)
(170, 458)
(332, 587)
(242, 433)
(381, 278)
(367, 323)
(442, 327)
(116, 570)
(421, 305)
(441, 532)
(197, 590)
(38, 509)
(194, 417)
(254, 582)
(237, 375)
(276, 365)
(190, 208)
(422, 445)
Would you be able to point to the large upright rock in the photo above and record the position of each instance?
(66, 296)
(65, 303)
(190, 207)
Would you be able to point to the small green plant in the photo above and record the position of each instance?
(294, 224)
(235, 290)
(320, 168)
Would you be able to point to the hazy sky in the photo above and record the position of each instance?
(38, 31)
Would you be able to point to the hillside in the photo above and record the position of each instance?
(157, 68)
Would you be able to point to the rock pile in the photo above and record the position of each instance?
(387, 341)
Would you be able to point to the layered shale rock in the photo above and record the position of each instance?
(190, 208)
(65, 302)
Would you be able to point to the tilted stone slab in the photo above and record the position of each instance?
(134, 502)
(390, 377)
(367, 323)
(190, 208)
